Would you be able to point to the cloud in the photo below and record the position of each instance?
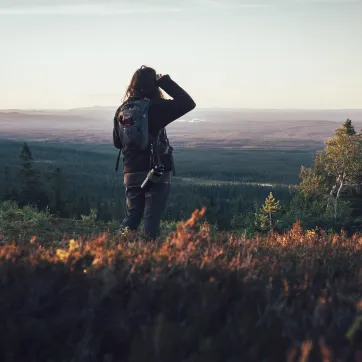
(96, 9)
(84, 7)
(52, 3)
(114, 7)
(105, 7)
(137, 3)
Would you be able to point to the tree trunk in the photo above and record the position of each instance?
(333, 189)
(341, 180)
(270, 221)
(340, 189)
(338, 180)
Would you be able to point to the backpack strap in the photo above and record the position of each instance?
(155, 159)
(118, 159)
(116, 122)
(169, 147)
(116, 130)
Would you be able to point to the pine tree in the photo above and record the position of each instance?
(265, 216)
(31, 191)
(347, 128)
(28, 177)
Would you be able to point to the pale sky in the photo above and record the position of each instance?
(225, 53)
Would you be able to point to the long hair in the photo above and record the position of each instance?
(143, 84)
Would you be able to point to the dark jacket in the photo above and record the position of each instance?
(161, 113)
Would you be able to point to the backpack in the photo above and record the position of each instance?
(130, 130)
(130, 126)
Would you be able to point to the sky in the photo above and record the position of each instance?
(281, 54)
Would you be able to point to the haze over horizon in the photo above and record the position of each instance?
(244, 109)
(274, 54)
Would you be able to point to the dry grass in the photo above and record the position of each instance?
(194, 297)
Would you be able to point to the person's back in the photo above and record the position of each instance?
(151, 201)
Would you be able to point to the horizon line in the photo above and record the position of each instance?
(197, 108)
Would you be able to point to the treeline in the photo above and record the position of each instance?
(71, 182)
(272, 166)
(71, 196)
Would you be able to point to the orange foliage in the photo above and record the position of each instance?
(294, 296)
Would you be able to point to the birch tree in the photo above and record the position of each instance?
(337, 167)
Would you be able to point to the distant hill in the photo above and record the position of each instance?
(229, 128)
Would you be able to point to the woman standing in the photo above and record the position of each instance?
(151, 201)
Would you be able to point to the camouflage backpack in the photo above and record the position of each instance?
(130, 126)
(130, 130)
(131, 122)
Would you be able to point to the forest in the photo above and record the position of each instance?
(70, 180)
(268, 272)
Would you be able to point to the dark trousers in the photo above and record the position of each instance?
(150, 203)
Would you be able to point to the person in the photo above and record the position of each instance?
(150, 202)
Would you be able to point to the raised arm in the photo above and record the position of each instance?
(164, 111)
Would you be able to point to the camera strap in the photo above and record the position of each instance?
(155, 159)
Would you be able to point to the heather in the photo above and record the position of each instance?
(195, 295)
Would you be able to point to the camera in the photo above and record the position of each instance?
(153, 176)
